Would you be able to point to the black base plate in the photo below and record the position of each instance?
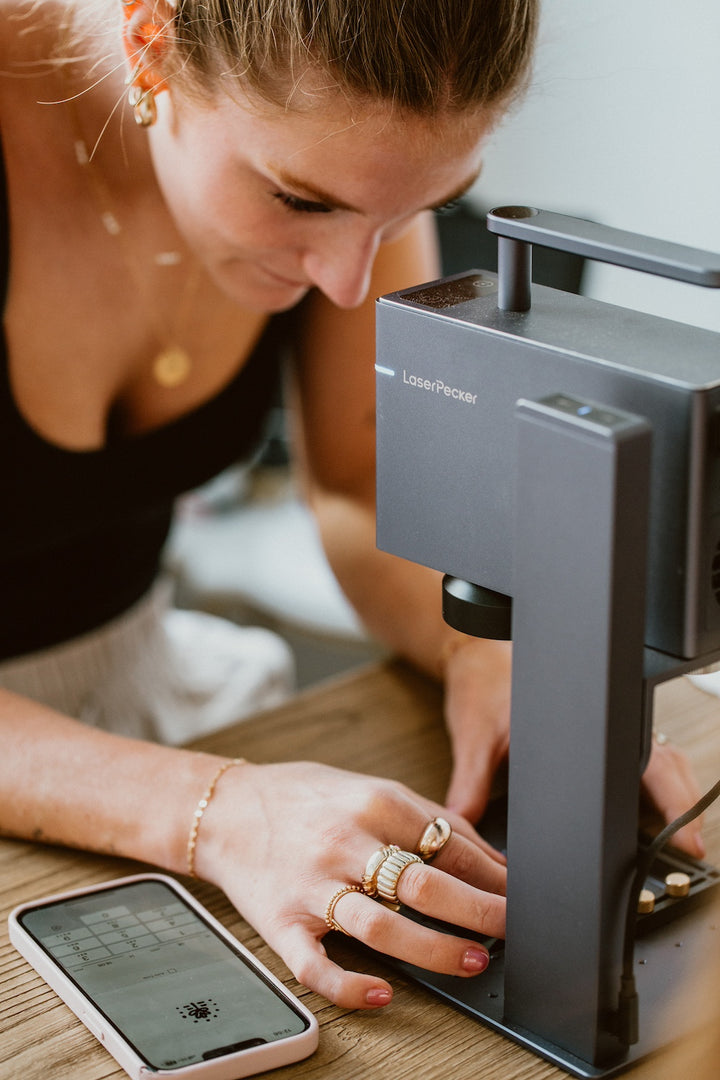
(670, 944)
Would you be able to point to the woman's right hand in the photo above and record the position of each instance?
(282, 840)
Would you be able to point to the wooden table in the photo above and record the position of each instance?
(384, 720)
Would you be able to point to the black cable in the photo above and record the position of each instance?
(628, 1000)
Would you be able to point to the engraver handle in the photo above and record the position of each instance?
(518, 226)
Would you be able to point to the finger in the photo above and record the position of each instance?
(389, 932)
(306, 957)
(479, 865)
(484, 845)
(466, 854)
(401, 817)
(431, 892)
(470, 784)
(462, 827)
(670, 786)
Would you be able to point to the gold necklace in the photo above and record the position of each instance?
(172, 364)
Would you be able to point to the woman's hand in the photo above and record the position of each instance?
(282, 840)
(669, 784)
(477, 711)
(477, 706)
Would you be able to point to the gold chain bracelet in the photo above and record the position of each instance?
(200, 810)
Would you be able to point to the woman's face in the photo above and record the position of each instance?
(277, 202)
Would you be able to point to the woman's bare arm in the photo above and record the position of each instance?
(62, 782)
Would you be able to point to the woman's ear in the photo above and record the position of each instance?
(146, 40)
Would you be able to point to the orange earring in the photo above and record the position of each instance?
(142, 97)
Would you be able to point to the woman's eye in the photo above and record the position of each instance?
(301, 206)
(448, 207)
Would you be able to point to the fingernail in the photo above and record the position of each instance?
(475, 960)
(378, 996)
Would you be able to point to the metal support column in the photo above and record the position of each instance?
(577, 708)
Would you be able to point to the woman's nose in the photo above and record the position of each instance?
(342, 266)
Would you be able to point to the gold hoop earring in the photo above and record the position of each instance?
(142, 103)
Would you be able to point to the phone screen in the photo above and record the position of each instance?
(161, 975)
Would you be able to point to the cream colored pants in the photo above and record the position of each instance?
(159, 673)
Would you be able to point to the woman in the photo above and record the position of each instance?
(285, 159)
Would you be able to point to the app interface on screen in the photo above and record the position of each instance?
(173, 988)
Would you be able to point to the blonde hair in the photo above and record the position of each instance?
(422, 55)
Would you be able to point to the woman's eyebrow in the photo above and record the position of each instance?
(333, 202)
(310, 191)
(460, 190)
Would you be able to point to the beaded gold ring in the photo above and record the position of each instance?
(330, 920)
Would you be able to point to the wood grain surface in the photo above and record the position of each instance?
(384, 720)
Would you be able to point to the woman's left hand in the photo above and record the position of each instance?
(477, 707)
(477, 711)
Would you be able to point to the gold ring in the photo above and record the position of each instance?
(369, 878)
(434, 839)
(330, 919)
(388, 874)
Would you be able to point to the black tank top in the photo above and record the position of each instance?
(82, 532)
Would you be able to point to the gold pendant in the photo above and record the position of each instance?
(171, 367)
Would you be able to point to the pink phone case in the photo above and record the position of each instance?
(231, 1066)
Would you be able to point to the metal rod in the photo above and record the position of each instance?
(515, 275)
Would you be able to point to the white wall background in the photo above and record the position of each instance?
(622, 125)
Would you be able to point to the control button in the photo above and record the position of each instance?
(677, 884)
(90, 1023)
(646, 902)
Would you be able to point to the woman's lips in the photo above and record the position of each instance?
(285, 281)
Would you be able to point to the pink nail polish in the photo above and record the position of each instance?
(475, 960)
(378, 996)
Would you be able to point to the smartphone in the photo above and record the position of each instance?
(161, 983)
